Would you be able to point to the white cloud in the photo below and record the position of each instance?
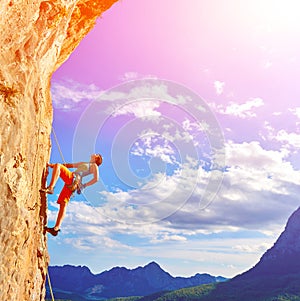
(154, 145)
(252, 155)
(292, 139)
(244, 110)
(219, 87)
(253, 248)
(296, 112)
(178, 135)
(140, 109)
(165, 237)
(130, 76)
(142, 91)
(268, 131)
(259, 190)
(194, 127)
(287, 139)
(276, 113)
(68, 95)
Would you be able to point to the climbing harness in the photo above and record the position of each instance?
(76, 184)
(78, 174)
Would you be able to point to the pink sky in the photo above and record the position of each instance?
(194, 45)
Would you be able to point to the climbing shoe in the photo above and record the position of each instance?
(47, 190)
(52, 231)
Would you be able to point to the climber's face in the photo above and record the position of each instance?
(93, 158)
(96, 158)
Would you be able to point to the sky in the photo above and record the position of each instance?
(194, 106)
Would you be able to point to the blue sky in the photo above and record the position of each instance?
(195, 109)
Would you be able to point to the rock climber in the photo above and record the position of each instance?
(73, 181)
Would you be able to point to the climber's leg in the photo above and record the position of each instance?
(59, 170)
(63, 202)
(55, 175)
(60, 216)
(63, 199)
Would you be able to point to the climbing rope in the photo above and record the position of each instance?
(62, 156)
(47, 272)
(58, 146)
(50, 286)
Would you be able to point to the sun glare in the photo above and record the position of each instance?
(279, 15)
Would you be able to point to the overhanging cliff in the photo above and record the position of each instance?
(36, 38)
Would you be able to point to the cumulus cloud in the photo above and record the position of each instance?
(161, 196)
(292, 139)
(259, 190)
(244, 110)
(253, 156)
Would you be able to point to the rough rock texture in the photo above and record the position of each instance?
(36, 38)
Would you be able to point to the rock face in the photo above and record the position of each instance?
(36, 38)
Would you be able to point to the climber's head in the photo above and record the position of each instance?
(96, 158)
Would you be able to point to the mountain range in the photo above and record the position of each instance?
(81, 284)
(276, 277)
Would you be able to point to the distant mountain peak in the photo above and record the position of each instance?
(152, 265)
(276, 275)
(288, 242)
(283, 257)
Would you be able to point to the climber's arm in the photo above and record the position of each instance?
(68, 165)
(72, 165)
